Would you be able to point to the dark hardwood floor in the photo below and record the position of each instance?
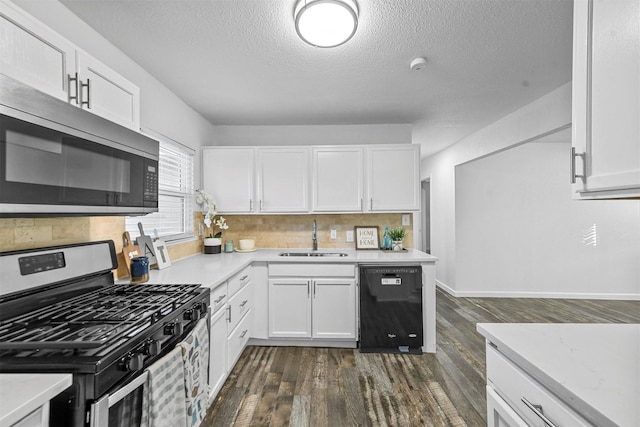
(292, 386)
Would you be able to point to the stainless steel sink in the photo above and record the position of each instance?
(322, 254)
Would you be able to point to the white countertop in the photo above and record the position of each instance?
(220, 267)
(593, 368)
(21, 394)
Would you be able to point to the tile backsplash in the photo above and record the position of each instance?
(294, 231)
(269, 231)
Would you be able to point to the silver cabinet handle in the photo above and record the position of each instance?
(371, 204)
(243, 303)
(573, 165)
(260, 205)
(243, 333)
(361, 205)
(229, 311)
(243, 278)
(73, 79)
(220, 299)
(314, 289)
(537, 409)
(250, 205)
(308, 288)
(88, 101)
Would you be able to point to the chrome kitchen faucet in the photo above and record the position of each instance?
(314, 235)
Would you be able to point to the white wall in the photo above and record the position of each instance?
(519, 233)
(459, 245)
(161, 111)
(543, 116)
(314, 135)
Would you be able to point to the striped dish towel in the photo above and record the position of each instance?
(195, 356)
(163, 401)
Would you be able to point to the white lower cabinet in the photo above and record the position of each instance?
(237, 339)
(290, 308)
(218, 351)
(321, 305)
(230, 327)
(514, 398)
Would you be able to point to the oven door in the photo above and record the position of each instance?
(122, 408)
(43, 170)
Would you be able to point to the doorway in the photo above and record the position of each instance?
(425, 196)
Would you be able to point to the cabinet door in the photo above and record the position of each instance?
(289, 308)
(107, 94)
(283, 179)
(334, 308)
(218, 351)
(394, 177)
(34, 54)
(338, 176)
(228, 175)
(606, 105)
(499, 413)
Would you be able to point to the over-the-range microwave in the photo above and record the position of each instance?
(57, 159)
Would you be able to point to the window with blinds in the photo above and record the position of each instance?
(174, 219)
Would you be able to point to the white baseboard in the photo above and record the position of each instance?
(527, 294)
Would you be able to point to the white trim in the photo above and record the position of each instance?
(528, 294)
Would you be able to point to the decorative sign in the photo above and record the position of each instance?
(162, 256)
(367, 237)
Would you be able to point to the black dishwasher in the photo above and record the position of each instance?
(391, 309)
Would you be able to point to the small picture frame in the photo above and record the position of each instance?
(367, 237)
(162, 255)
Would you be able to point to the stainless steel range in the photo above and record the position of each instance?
(60, 311)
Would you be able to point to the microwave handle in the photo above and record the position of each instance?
(100, 409)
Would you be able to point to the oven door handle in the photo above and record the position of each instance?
(100, 409)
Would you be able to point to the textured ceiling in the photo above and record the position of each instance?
(240, 62)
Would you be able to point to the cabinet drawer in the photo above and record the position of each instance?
(218, 298)
(239, 280)
(238, 339)
(239, 305)
(515, 386)
(312, 270)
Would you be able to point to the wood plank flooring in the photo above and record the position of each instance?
(294, 386)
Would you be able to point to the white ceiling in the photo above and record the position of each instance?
(240, 62)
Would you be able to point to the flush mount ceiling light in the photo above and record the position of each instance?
(326, 23)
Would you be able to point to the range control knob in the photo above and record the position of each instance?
(188, 314)
(173, 328)
(134, 362)
(201, 308)
(152, 347)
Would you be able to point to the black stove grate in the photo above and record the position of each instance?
(96, 319)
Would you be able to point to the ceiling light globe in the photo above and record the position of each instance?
(326, 23)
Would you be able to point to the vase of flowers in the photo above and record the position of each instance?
(213, 241)
(397, 236)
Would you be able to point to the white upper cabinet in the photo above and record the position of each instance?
(283, 179)
(228, 176)
(606, 101)
(106, 93)
(36, 55)
(394, 177)
(338, 179)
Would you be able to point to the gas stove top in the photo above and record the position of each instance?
(96, 320)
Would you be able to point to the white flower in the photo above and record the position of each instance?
(209, 211)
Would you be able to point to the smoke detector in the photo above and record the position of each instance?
(418, 63)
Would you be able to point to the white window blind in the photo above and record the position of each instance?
(174, 219)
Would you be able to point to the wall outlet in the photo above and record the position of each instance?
(334, 234)
(405, 220)
(349, 236)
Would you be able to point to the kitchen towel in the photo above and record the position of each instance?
(195, 357)
(163, 399)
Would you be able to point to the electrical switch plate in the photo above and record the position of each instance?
(405, 219)
(349, 236)
(333, 234)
